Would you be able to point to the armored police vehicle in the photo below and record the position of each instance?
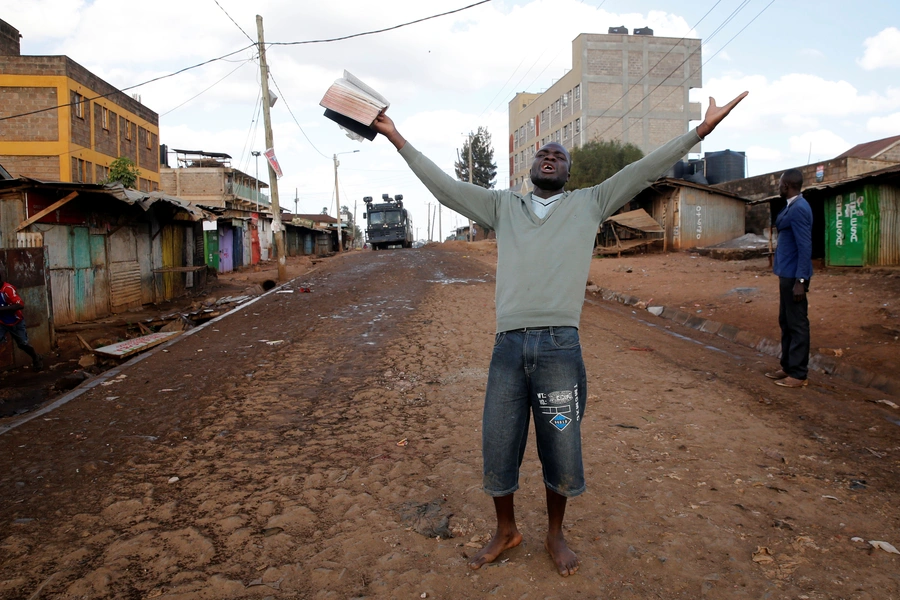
(388, 225)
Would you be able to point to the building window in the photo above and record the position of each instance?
(557, 136)
(516, 138)
(531, 125)
(81, 170)
(565, 99)
(128, 125)
(543, 116)
(577, 125)
(577, 92)
(556, 107)
(566, 132)
(104, 118)
(78, 104)
(149, 141)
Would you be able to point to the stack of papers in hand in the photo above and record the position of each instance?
(353, 105)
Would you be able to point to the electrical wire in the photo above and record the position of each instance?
(224, 56)
(283, 99)
(354, 35)
(209, 88)
(663, 99)
(251, 132)
(650, 70)
(664, 79)
(235, 22)
(131, 87)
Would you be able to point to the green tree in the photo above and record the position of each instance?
(124, 171)
(597, 161)
(484, 169)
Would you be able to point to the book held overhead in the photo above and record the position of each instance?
(353, 105)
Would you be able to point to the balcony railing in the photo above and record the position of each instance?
(248, 193)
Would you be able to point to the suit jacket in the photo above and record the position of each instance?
(793, 254)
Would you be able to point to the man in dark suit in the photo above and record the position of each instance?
(793, 265)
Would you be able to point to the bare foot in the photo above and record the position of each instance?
(498, 544)
(566, 560)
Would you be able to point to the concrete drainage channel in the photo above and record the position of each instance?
(269, 286)
(823, 364)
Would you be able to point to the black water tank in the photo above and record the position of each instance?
(643, 31)
(725, 165)
(620, 30)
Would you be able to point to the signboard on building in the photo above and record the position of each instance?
(273, 162)
(845, 218)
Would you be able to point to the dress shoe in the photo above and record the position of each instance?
(779, 374)
(792, 382)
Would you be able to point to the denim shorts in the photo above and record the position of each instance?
(540, 372)
(17, 332)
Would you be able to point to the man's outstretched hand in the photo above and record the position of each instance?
(385, 126)
(715, 114)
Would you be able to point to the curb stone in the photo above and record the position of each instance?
(818, 362)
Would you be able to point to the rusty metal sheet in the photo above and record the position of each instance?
(638, 219)
(24, 266)
(125, 285)
(135, 345)
(889, 224)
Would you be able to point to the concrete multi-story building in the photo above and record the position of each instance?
(631, 88)
(60, 122)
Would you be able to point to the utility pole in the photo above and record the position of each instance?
(428, 221)
(296, 200)
(470, 181)
(337, 199)
(440, 227)
(277, 228)
(337, 203)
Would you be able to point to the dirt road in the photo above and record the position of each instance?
(303, 446)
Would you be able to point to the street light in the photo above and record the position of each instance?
(256, 153)
(337, 198)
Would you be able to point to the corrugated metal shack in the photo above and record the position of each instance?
(108, 249)
(692, 214)
(856, 221)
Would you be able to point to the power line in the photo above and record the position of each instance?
(251, 132)
(347, 37)
(233, 21)
(131, 87)
(293, 117)
(650, 70)
(682, 83)
(209, 88)
(664, 79)
(224, 56)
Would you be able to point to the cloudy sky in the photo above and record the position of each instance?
(822, 76)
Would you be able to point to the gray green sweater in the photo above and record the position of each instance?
(543, 264)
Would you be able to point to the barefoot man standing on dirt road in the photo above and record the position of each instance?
(544, 247)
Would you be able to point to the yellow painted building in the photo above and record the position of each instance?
(60, 122)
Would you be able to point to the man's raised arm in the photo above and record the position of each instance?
(715, 114)
(385, 126)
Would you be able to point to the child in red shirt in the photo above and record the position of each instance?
(12, 321)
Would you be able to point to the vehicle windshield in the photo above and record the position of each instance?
(376, 218)
(393, 218)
